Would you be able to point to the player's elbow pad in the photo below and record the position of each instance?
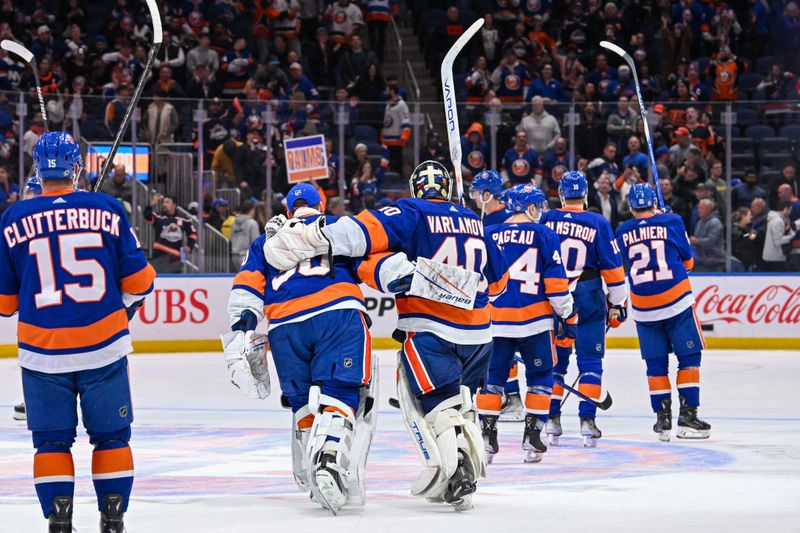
(248, 321)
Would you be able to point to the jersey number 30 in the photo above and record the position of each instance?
(67, 247)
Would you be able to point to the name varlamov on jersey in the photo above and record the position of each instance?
(445, 224)
(644, 233)
(514, 236)
(570, 229)
(68, 219)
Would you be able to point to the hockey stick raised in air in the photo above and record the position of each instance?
(137, 93)
(629, 60)
(450, 109)
(27, 56)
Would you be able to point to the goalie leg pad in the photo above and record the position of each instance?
(366, 422)
(328, 452)
(302, 421)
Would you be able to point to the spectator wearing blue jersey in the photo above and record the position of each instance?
(635, 157)
(547, 87)
(744, 193)
(521, 163)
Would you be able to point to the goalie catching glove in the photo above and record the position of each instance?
(246, 357)
(294, 242)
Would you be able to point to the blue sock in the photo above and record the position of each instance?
(658, 380)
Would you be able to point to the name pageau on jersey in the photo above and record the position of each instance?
(659, 257)
(308, 289)
(70, 264)
(588, 243)
(440, 231)
(537, 284)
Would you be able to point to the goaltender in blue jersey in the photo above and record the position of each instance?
(446, 334)
(659, 256)
(74, 271)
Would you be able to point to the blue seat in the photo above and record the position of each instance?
(374, 149)
(791, 132)
(759, 131)
(749, 81)
(775, 145)
(746, 116)
(364, 133)
(764, 64)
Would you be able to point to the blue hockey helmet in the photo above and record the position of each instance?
(524, 195)
(303, 191)
(488, 180)
(642, 196)
(56, 156)
(573, 184)
(33, 186)
(431, 180)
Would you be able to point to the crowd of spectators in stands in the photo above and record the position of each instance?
(305, 60)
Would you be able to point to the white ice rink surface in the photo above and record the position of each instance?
(210, 460)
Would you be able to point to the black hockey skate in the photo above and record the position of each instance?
(532, 439)
(512, 410)
(19, 412)
(489, 432)
(663, 423)
(60, 520)
(460, 487)
(111, 516)
(689, 426)
(590, 432)
(553, 429)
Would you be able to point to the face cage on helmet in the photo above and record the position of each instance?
(414, 193)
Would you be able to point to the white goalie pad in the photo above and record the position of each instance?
(444, 283)
(438, 445)
(366, 422)
(299, 444)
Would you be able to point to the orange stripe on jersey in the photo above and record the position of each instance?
(699, 327)
(498, 286)
(110, 461)
(555, 285)
(9, 303)
(306, 422)
(592, 390)
(415, 362)
(469, 317)
(77, 337)
(521, 314)
(658, 383)
(379, 241)
(688, 375)
(491, 403)
(368, 268)
(689, 264)
(537, 402)
(659, 300)
(311, 301)
(249, 278)
(139, 282)
(53, 464)
(615, 275)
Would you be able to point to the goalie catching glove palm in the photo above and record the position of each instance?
(294, 242)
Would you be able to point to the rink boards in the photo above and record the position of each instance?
(188, 313)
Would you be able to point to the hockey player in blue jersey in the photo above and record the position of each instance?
(444, 320)
(659, 257)
(522, 318)
(591, 257)
(317, 329)
(487, 191)
(72, 268)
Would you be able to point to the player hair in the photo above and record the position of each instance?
(171, 197)
(58, 183)
(642, 210)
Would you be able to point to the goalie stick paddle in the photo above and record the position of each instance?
(27, 56)
(450, 109)
(629, 60)
(152, 6)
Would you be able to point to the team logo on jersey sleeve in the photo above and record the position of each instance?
(520, 167)
(475, 159)
(512, 82)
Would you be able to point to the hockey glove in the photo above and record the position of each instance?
(617, 314)
(246, 357)
(274, 224)
(567, 330)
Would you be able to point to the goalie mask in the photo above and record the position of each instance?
(431, 180)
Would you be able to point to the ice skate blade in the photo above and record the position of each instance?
(512, 417)
(689, 433)
(663, 436)
(333, 498)
(464, 504)
(590, 442)
(532, 456)
(552, 440)
(20, 417)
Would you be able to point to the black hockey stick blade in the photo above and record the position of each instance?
(603, 403)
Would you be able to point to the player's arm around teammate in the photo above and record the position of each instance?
(74, 270)
(659, 257)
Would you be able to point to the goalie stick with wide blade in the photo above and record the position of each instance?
(629, 60)
(450, 109)
(27, 56)
(152, 6)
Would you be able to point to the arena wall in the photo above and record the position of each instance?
(747, 311)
